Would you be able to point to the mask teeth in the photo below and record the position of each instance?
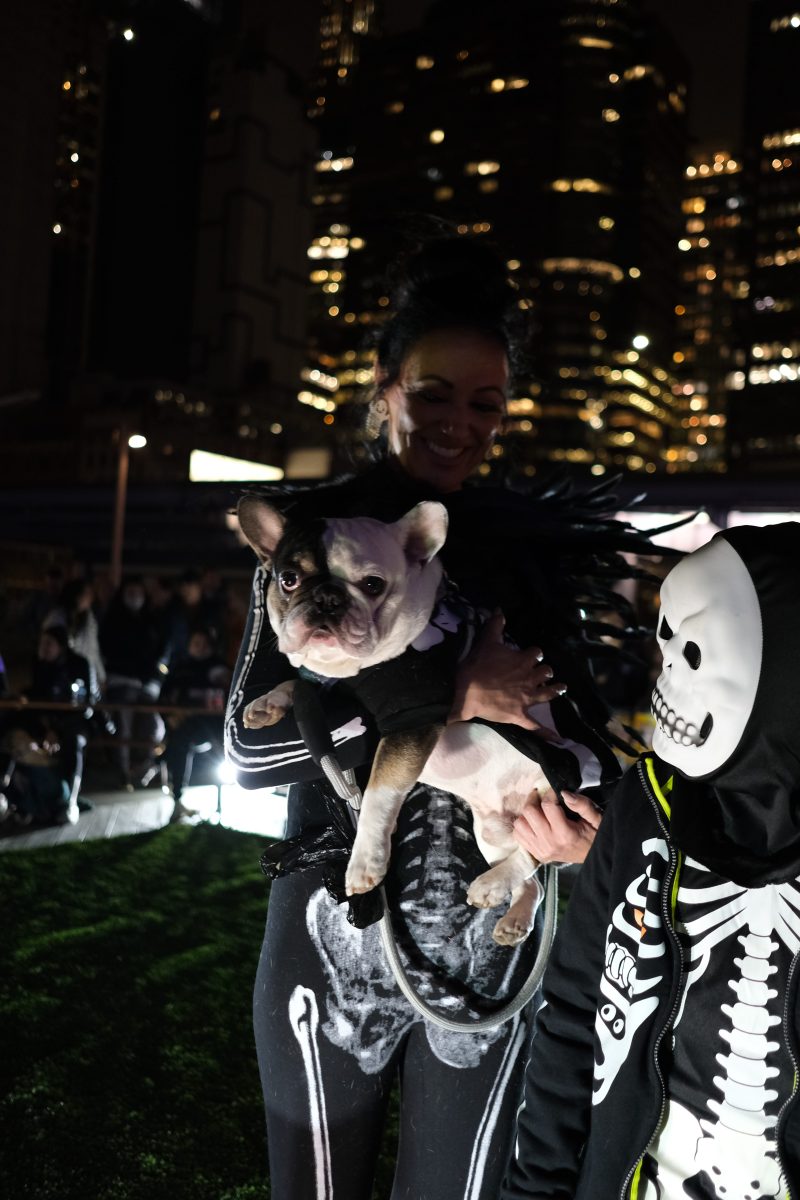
(681, 732)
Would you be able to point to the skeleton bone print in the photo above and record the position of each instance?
(634, 966)
(364, 1013)
(739, 943)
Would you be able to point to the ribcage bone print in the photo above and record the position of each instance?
(734, 1147)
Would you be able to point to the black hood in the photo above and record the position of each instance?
(743, 821)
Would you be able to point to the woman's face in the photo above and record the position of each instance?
(446, 406)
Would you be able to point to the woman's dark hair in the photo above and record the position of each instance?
(450, 283)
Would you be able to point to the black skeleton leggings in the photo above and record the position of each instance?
(333, 1033)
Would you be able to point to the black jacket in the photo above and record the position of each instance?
(594, 1095)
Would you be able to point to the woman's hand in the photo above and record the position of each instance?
(500, 683)
(546, 832)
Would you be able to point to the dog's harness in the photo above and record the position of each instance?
(314, 730)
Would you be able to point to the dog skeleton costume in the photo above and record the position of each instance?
(665, 1062)
(332, 1028)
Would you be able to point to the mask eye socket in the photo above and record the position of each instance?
(691, 652)
(664, 631)
(289, 580)
(372, 585)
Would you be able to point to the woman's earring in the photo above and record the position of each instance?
(378, 413)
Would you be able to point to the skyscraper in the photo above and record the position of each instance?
(764, 430)
(558, 131)
(709, 358)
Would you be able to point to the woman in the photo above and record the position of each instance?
(75, 612)
(332, 1030)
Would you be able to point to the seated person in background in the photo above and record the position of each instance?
(130, 643)
(46, 748)
(199, 679)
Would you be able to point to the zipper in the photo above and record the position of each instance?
(790, 1048)
(669, 897)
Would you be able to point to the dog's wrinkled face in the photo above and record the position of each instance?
(345, 594)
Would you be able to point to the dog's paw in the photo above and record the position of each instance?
(511, 929)
(487, 891)
(263, 712)
(364, 873)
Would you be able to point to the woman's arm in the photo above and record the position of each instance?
(277, 754)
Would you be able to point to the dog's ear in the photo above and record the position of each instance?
(422, 531)
(262, 525)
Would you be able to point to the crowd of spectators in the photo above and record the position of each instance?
(135, 677)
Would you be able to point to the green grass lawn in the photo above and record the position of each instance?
(126, 1052)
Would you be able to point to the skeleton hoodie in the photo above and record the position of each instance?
(665, 1060)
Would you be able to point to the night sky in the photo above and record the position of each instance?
(711, 33)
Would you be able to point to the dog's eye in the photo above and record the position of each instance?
(372, 585)
(289, 580)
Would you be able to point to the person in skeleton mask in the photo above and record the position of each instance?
(665, 1060)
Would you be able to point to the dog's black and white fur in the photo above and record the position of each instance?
(348, 594)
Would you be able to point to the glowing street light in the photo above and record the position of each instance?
(128, 34)
(126, 442)
(641, 341)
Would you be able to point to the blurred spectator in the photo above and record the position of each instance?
(200, 679)
(184, 613)
(131, 646)
(213, 599)
(46, 748)
(75, 613)
(44, 599)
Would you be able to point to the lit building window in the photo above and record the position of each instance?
(512, 84)
(481, 168)
(783, 373)
(789, 137)
(513, 264)
(488, 185)
(606, 222)
(791, 21)
(436, 136)
(589, 266)
(580, 185)
(610, 115)
(424, 63)
(334, 164)
(593, 43)
(443, 193)
(638, 72)
(396, 106)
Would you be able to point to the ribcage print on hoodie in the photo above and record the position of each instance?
(719, 1142)
(446, 945)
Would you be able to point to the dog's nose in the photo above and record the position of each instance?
(329, 598)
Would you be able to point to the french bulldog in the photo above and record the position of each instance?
(346, 595)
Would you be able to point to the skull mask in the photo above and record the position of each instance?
(710, 636)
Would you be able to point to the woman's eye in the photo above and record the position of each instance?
(289, 580)
(372, 585)
(429, 397)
